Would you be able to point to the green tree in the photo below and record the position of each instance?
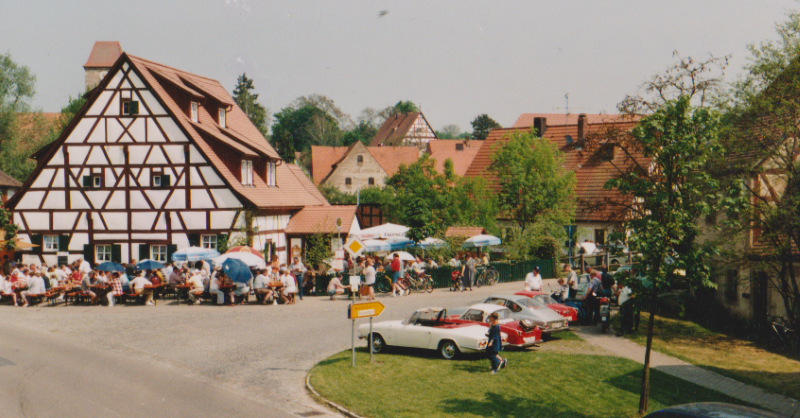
(535, 188)
(9, 229)
(399, 108)
(481, 126)
(449, 132)
(248, 101)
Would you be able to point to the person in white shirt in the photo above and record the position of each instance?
(196, 281)
(35, 287)
(5, 288)
(562, 293)
(213, 288)
(60, 276)
(432, 264)
(454, 262)
(205, 270)
(289, 286)
(138, 285)
(533, 281)
(261, 287)
(369, 279)
(85, 266)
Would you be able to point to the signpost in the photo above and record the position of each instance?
(363, 310)
(355, 246)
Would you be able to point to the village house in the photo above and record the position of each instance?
(8, 187)
(460, 152)
(406, 129)
(158, 159)
(594, 219)
(356, 167)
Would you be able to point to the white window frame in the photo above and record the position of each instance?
(208, 241)
(222, 115)
(271, 178)
(247, 172)
(102, 253)
(97, 181)
(195, 111)
(50, 243)
(158, 253)
(157, 180)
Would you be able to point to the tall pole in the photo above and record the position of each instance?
(370, 339)
(353, 339)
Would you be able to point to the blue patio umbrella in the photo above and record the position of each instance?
(398, 243)
(110, 266)
(374, 245)
(149, 265)
(237, 270)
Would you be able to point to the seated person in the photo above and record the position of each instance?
(562, 293)
(138, 285)
(6, 289)
(87, 282)
(289, 286)
(242, 291)
(309, 281)
(197, 289)
(335, 287)
(116, 288)
(261, 286)
(213, 287)
(35, 288)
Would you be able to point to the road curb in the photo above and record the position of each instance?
(330, 403)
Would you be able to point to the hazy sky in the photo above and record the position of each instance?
(456, 59)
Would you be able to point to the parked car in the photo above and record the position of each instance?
(712, 410)
(428, 328)
(523, 307)
(521, 334)
(544, 299)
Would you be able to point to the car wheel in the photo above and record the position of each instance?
(378, 344)
(448, 350)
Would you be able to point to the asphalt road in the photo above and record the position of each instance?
(176, 361)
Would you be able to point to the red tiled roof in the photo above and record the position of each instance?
(8, 181)
(591, 171)
(525, 120)
(443, 149)
(313, 220)
(104, 54)
(323, 159)
(396, 128)
(291, 192)
(390, 158)
(307, 183)
(464, 231)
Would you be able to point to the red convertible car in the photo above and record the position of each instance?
(544, 299)
(521, 334)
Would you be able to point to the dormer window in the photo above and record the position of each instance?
(271, 175)
(194, 115)
(128, 106)
(360, 159)
(221, 118)
(459, 147)
(247, 172)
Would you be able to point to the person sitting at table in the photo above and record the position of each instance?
(289, 287)
(213, 287)
(87, 282)
(175, 279)
(116, 288)
(138, 284)
(155, 278)
(242, 290)
(335, 287)
(6, 289)
(197, 289)
(36, 287)
(261, 286)
(309, 281)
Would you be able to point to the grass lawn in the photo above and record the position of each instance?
(728, 356)
(413, 383)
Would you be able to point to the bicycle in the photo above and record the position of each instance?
(383, 283)
(787, 337)
(420, 282)
(455, 277)
(487, 276)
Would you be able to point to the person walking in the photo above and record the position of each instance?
(495, 344)
(591, 301)
(470, 270)
(369, 279)
(396, 268)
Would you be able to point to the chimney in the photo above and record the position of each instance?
(582, 126)
(540, 124)
(102, 58)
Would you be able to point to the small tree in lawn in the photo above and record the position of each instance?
(670, 196)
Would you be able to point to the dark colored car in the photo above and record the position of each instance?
(712, 410)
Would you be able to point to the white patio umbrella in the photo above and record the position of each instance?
(481, 241)
(398, 243)
(588, 247)
(376, 245)
(194, 254)
(404, 256)
(250, 259)
(382, 231)
(431, 242)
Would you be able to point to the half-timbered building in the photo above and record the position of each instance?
(158, 159)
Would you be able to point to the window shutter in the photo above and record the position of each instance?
(87, 181)
(220, 238)
(165, 180)
(116, 253)
(144, 251)
(194, 240)
(171, 248)
(36, 239)
(134, 108)
(63, 243)
(88, 253)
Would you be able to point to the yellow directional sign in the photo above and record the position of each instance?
(354, 246)
(365, 310)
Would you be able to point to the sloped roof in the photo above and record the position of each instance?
(104, 54)
(390, 158)
(313, 220)
(323, 159)
(525, 120)
(591, 171)
(8, 181)
(464, 231)
(443, 149)
(307, 183)
(396, 128)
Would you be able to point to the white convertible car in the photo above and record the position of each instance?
(429, 328)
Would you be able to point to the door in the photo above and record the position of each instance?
(416, 335)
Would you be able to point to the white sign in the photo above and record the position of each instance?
(355, 246)
(338, 262)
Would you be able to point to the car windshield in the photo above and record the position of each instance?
(412, 319)
(473, 315)
(530, 303)
(544, 299)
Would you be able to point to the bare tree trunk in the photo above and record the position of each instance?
(645, 394)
